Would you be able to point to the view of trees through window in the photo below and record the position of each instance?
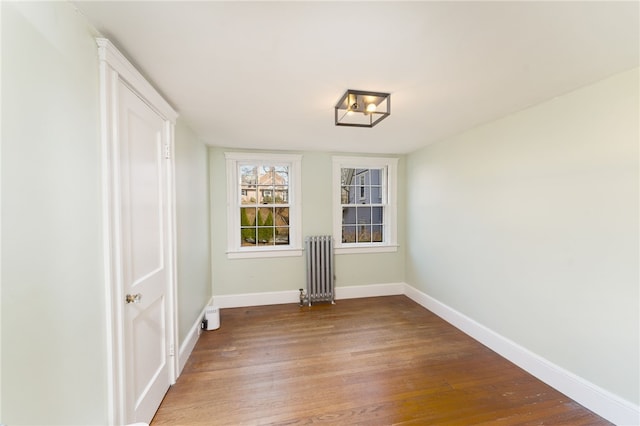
(264, 198)
(362, 199)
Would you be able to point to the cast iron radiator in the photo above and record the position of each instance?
(320, 275)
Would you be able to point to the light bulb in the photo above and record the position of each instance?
(371, 107)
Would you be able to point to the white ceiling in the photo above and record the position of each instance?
(268, 74)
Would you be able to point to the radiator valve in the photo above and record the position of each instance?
(304, 299)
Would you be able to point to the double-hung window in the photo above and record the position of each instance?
(263, 192)
(364, 206)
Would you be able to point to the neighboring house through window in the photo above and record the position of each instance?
(263, 193)
(365, 207)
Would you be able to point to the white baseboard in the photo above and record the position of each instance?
(370, 290)
(594, 398)
(186, 347)
(591, 396)
(256, 299)
(293, 296)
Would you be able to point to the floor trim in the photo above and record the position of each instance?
(293, 296)
(589, 395)
(190, 341)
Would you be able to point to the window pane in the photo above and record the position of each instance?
(376, 195)
(281, 195)
(377, 215)
(377, 233)
(282, 236)
(344, 195)
(265, 216)
(281, 216)
(348, 215)
(265, 236)
(247, 216)
(281, 175)
(248, 179)
(248, 236)
(248, 175)
(375, 177)
(364, 215)
(265, 175)
(346, 176)
(248, 195)
(265, 224)
(348, 234)
(364, 234)
(362, 189)
(265, 194)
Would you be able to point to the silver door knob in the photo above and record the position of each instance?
(133, 298)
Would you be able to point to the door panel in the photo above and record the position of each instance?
(143, 217)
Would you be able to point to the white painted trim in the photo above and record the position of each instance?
(172, 241)
(234, 248)
(113, 68)
(390, 167)
(258, 252)
(391, 248)
(591, 396)
(107, 52)
(110, 225)
(192, 338)
(256, 299)
(369, 290)
(293, 296)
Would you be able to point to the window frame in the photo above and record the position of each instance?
(235, 250)
(389, 196)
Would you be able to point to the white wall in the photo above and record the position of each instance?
(192, 222)
(53, 297)
(242, 276)
(529, 226)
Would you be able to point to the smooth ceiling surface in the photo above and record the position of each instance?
(266, 75)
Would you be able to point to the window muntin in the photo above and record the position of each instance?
(263, 213)
(364, 206)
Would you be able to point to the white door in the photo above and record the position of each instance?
(145, 255)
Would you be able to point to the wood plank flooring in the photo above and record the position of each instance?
(373, 361)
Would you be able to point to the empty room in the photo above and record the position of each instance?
(375, 213)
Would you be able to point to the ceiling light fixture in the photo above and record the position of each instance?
(359, 108)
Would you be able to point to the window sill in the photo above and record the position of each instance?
(366, 249)
(257, 253)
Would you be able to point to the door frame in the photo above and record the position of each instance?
(114, 67)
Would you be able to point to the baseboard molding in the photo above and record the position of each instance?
(186, 347)
(369, 290)
(591, 396)
(293, 296)
(256, 299)
(594, 398)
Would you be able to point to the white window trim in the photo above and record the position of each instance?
(234, 248)
(390, 243)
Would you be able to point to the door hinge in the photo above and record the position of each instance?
(172, 351)
(167, 152)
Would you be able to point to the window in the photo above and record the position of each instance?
(263, 205)
(365, 209)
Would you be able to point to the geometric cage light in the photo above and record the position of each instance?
(359, 108)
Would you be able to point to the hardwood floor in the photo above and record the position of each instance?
(374, 361)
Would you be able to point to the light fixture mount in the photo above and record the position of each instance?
(360, 108)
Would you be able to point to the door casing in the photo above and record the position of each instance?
(115, 68)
